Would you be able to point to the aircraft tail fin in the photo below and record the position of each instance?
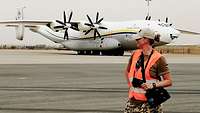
(19, 32)
(20, 27)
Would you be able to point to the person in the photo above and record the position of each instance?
(155, 66)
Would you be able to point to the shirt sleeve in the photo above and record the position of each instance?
(162, 66)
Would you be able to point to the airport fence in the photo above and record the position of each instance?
(180, 49)
(167, 49)
(30, 47)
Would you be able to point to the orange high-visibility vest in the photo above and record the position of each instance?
(139, 93)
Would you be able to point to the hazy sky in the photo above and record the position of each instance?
(183, 13)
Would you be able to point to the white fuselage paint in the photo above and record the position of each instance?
(122, 35)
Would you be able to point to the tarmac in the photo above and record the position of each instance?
(52, 81)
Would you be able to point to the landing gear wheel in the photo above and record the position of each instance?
(95, 52)
(80, 52)
(88, 52)
(120, 52)
(106, 52)
(116, 52)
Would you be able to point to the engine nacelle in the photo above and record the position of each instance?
(20, 32)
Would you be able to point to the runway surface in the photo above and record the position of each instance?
(62, 82)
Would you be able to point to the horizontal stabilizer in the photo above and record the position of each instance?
(188, 32)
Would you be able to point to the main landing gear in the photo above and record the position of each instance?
(115, 52)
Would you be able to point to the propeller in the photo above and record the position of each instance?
(65, 25)
(95, 25)
(148, 17)
(166, 20)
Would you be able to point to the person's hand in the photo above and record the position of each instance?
(147, 86)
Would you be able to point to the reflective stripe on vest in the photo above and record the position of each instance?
(139, 93)
(140, 90)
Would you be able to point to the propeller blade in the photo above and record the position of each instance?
(97, 17)
(64, 16)
(70, 17)
(66, 34)
(60, 22)
(98, 34)
(90, 20)
(100, 21)
(57, 27)
(146, 18)
(88, 31)
(95, 31)
(89, 24)
(101, 27)
(149, 18)
(166, 20)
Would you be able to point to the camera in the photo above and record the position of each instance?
(137, 82)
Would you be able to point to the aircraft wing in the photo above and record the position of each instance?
(26, 23)
(188, 32)
(33, 23)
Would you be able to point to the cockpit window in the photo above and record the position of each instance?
(164, 24)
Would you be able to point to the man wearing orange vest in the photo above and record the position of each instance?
(155, 65)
